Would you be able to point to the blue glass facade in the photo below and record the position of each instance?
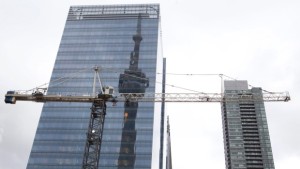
(102, 36)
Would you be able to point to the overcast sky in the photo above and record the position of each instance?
(255, 40)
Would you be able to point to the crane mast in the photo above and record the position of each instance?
(95, 128)
(94, 135)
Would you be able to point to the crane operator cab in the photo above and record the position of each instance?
(107, 93)
(39, 92)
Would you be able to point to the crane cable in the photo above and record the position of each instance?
(161, 83)
(74, 75)
(221, 75)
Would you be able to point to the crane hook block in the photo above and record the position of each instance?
(10, 99)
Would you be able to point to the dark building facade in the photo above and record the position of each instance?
(124, 41)
(169, 151)
(245, 129)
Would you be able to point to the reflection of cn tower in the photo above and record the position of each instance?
(133, 80)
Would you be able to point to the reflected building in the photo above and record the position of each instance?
(133, 80)
(124, 41)
(245, 129)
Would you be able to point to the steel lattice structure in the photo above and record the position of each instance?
(94, 135)
(151, 97)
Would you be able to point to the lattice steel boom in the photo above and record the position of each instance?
(12, 97)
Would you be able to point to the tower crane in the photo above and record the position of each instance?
(13, 96)
(98, 109)
(132, 86)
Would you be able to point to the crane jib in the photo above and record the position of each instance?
(11, 97)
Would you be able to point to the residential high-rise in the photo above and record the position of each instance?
(246, 136)
(124, 41)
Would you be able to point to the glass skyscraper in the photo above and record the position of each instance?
(245, 129)
(124, 41)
